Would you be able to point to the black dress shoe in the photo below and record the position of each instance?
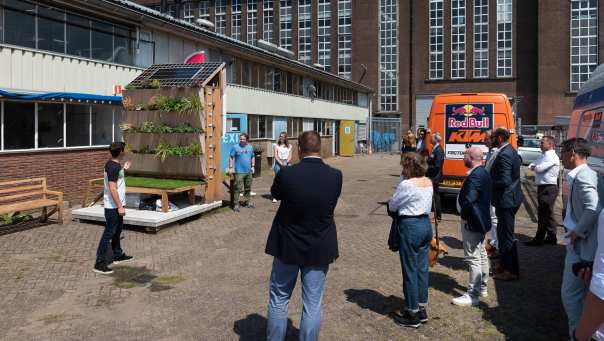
(534, 242)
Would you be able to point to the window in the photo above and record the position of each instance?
(268, 21)
(233, 125)
(26, 128)
(436, 40)
(102, 41)
(481, 38)
(388, 82)
(220, 24)
(19, 125)
(458, 39)
(50, 125)
(324, 38)
(252, 21)
(204, 9)
(285, 20)
(260, 127)
(304, 31)
(20, 22)
(345, 38)
(51, 29)
(323, 127)
(78, 36)
(102, 125)
(584, 41)
(78, 125)
(188, 12)
(295, 126)
(504, 38)
(146, 50)
(236, 19)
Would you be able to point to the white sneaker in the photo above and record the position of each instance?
(465, 301)
(484, 293)
(274, 201)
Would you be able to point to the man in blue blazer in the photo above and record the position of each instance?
(475, 210)
(303, 237)
(506, 198)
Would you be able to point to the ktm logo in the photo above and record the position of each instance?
(466, 136)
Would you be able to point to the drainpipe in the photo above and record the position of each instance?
(369, 141)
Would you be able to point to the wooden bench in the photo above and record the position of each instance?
(30, 194)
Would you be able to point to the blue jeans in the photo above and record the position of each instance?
(573, 290)
(415, 235)
(283, 281)
(112, 233)
(277, 167)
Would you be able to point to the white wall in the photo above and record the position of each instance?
(260, 102)
(28, 70)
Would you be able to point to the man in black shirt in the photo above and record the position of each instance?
(435, 171)
(114, 199)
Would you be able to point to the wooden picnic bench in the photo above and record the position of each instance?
(30, 194)
(164, 193)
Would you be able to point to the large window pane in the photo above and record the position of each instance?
(51, 29)
(78, 36)
(20, 23)
(102, 41)
(144, 56)
(102, 118)
(19, 125)
(122, 53)
(78, 125)
(50, 125)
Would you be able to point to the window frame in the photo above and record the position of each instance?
(285, 19)
(505, 26)
(458, 39)
(480, 31)
(252, 22)
(268, 21)
(324, 25)
(583, 63)
(305, 33)
(345, 38)
(388, 56)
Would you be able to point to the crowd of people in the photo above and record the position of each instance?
(303, 236)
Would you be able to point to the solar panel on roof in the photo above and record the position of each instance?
(175, 73)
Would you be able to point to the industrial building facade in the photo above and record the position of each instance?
(537, 52)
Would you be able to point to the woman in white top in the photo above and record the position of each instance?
(413, 202)
(282, 152)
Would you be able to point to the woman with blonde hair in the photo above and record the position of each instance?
(412, 202)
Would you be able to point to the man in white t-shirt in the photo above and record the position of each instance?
(591, 324)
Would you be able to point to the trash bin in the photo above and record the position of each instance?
(258, 162)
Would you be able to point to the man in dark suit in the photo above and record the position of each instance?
(435, 171)
(506, 198)
(474, 206)
(303, 237)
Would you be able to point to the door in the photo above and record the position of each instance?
(346, 138)
(235, 125)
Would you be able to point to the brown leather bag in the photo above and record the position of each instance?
(436, 249)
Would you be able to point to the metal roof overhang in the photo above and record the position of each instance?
(130, 12)
(61, 97)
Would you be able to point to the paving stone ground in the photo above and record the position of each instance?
(207, 279)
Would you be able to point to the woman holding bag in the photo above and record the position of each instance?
(282, 152)
(412, 201)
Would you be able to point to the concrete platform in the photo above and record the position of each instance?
(145, 218)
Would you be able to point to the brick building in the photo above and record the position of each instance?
(538, 52)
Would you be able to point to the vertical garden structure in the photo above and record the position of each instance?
(172, 123)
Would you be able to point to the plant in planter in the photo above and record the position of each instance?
(164, 150)
(127, 127)
(127, 103)
(14, 218)
(182, 106)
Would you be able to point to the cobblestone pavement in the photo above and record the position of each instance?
(207, 279)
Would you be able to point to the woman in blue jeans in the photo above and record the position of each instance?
(413, 202)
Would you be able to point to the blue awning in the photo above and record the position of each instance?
(62, 97)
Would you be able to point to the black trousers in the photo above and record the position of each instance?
(546, 198)
(506, 239)
(437, 208)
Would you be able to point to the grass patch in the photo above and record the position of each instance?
(125, 284)
(169, 279)
(137, 181)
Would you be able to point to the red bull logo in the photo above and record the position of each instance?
(469, 110)
(469, 123)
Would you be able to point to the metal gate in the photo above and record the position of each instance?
(386, 135)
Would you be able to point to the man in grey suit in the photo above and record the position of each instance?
(580, 223)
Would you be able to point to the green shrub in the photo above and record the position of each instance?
(164, 150)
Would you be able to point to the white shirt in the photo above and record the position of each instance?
(547, 168)
(569, 222)
(597, 278)
(411, 200)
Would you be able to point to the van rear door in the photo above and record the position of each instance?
(465, 125)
